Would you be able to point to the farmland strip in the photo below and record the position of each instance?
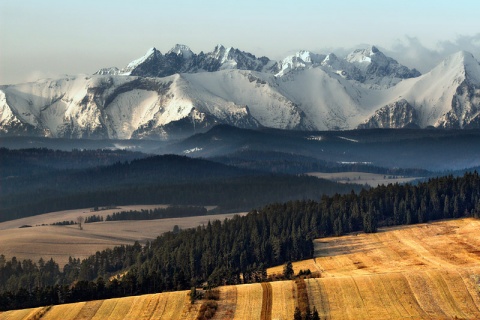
(172, 308)
(318, 297)
(89, 309)
(284, 299)
(64, 311)
(151, 305)
(344, 299)
(468, 280)
(446, 300)
(122, 307)
(227, 302)
(302, 295)
(106, 309)
(402, 296)
(248, 301)
(266, 301)
(422, 288)
(368, 288)
(19, 314)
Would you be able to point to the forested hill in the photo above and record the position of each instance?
(35, 161)
(157, 179)
(237, 250)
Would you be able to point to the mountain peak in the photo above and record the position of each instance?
(151, 53)
(364, 55)
(464, 61)
(374, 50)
(181, 50)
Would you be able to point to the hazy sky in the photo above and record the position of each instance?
(45, 38)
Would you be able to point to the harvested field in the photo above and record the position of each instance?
(21, 314)
(284, 299)
(249, 301)
(61, 242)
(427, 271)
(227, 303)
(170, 305)
(424, 271)
(266, 301)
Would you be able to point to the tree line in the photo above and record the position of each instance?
(229, 194)
(158, 213)
(240, 249)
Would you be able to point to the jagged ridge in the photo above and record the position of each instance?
(165, 96)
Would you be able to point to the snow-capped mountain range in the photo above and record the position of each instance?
(176, 94)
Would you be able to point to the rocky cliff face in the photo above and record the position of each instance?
(399, 114)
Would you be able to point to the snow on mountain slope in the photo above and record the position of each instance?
(300, 60)
(328, 100)
(181, 50)
(447, 96)
(379, 71)
(229, 89)
(180, 93)
(50, 105)
(432, 93)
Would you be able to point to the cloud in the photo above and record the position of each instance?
(39, 74)
(413, 53)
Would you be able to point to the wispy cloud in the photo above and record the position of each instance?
(413, 53)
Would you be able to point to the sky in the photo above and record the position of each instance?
(50, 38)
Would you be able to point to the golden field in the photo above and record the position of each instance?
(425, 271)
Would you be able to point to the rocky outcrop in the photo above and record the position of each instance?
(399, 114)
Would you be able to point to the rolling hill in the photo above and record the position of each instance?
(427, 271)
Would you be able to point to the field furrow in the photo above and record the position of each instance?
(64, 311)
(284, 299)
(266, 301)
(151, 304)
(249, 297)
(140, 303)
(20, 314)
(89, 310)
(401, 296)
(461, 294)
(424, 291)
(368, 288)
(170, 305)
(468, 277)
(106, 309)
(449, 304)
(344, 299)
